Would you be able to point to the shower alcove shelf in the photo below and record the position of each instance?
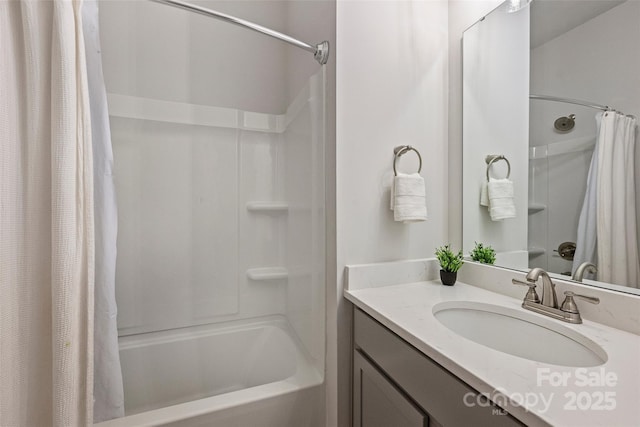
(534, 252)
(536, 207)
(268, 273)
(268, 207)
(263, 274)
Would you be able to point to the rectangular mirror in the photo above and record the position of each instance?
(551, 89)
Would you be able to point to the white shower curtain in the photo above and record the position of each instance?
(586, 242)
(46, 217)
(616, 204)
(108, 391)
(608, 222)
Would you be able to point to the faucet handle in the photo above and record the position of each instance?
(531, 295)
(569, 304)
(527, 283)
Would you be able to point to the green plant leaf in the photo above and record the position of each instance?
(449, 261)
(483, 254)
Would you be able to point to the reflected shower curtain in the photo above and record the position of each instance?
(609, 209)
(616, 206)
(586, 242)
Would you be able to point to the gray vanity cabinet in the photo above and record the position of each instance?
(395, 385)
(380, 402)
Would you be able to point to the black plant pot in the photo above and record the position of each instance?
(448, 277)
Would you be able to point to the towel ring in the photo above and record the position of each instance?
(399, 151)
(491, 158)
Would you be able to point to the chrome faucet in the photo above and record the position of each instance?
(549, 297)
(568, 311)
(585, 267)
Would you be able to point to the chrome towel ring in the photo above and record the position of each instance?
(399, 151)
(492, 158)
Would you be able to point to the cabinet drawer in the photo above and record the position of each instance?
(438, 392)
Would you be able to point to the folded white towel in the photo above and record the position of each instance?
(501, 203)
(408, 198)
(484, 194)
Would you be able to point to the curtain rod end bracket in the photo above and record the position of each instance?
(322, 52)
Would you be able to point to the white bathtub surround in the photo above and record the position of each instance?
(192, 176)
(47, 226)
(202, 374)
(221, 220)
(406, 307)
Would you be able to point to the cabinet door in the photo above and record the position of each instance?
(438, 393)
(377, 402)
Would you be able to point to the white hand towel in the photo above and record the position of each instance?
(501, 203)
(484, 194)
(408, 201)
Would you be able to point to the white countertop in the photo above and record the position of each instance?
(407, 310)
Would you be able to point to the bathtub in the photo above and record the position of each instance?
(246, 373)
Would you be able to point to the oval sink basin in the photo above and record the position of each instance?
(519, 333)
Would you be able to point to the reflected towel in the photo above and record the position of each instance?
(501, 203)
(408, 198)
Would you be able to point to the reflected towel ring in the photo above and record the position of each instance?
(491, 158)
(399, 151)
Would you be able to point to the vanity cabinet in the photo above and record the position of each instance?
(380, 402)
(394, 384)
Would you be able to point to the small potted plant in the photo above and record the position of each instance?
(450, 263)
(483, 254)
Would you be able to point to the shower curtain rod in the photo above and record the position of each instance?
(320, 51)
(572, 101)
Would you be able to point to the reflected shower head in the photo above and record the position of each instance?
(565, 124)
(515, 5)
